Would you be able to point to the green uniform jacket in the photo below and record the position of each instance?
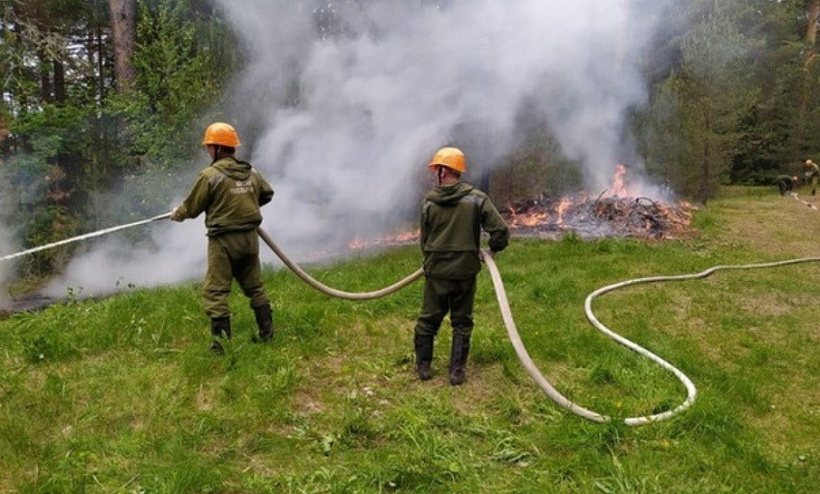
(230, 192)
(452, 217)
(813, 170)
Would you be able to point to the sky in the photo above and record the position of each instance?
(375, 102)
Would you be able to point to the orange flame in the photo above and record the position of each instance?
(400, 238)
(530, 219)
(357, 243)
(562, 208)
(619, 181)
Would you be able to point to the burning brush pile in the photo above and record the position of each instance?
(547, 218)
(612, 216)
(621, 214)
(616, 212)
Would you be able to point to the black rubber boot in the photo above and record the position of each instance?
(220, 328)
(424, 356)
(458, 359)
(264, 320)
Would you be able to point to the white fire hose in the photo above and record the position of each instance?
(332, 291)
(512, 331)
(515, 338)
(83, 237)
(690, 388)
(506, 314)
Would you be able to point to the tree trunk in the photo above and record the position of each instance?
(59, 83)
(101, 142)
(123, 30)
(812, 11)
(100, 61)
(45, 77)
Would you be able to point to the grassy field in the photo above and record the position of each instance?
(121, 396)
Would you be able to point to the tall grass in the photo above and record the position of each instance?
(121, 395)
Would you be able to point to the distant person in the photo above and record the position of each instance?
(812, 173)
(230, 192)
(452, 217)
(786, 184)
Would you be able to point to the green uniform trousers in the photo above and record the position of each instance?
(233, 255)
(442, 296)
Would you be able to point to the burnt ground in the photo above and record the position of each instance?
(24, 304)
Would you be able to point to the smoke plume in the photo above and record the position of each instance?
(5, 246)
(343, 103)
(391, 81)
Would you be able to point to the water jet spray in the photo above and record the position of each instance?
(85, 236)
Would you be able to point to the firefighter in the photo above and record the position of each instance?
(786, 184)
(230, 192)
(452, 216)
(812, 173)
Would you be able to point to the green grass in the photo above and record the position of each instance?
(121, 395)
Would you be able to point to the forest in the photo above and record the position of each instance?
(104, 101)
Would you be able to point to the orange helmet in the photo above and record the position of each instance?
(221, 134)
(450, 157)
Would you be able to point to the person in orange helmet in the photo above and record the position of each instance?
(452, 217)
(230, 192)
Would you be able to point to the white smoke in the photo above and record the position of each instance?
(5, 274)
(115, 264)
(376, 101)
(341, 122)
(7, 246)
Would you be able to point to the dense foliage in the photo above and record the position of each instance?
(739, 101)
(67, 134)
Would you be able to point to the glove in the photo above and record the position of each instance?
(176, 215)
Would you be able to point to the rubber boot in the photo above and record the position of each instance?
(264, 320)
(220, 327)
(424, 356)
(458, 359)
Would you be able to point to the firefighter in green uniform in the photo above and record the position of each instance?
(452, 217)
(812, 173)
(230, 192)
